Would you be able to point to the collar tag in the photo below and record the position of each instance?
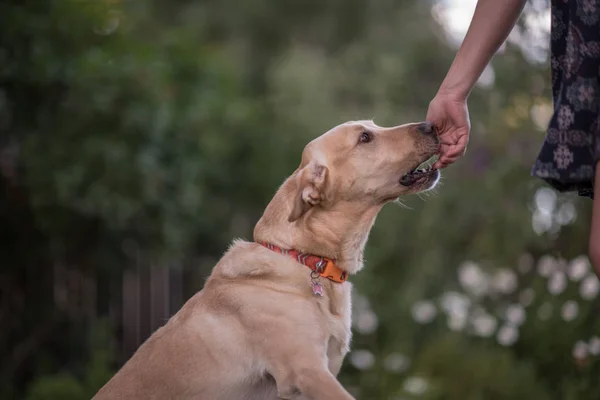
(320, 266)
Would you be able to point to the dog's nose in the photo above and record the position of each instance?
(426, 128)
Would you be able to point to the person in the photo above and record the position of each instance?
(568, 159)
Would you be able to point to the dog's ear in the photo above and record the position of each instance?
(311, 184)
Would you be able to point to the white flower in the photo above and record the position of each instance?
(557, 283)
(455, 303)
(545, 200)
(362, 359)
(456, 306)
(569, 310)
(484, 325)
(589, 288)
(396, 362)
(507, 335)
(594, 346)
(505, 281)
(547, 265)
(580, 350)
(515, 314)
(566, 214)
(540, 222)
(578, 268)
(423, 311)
(457, 322)
(366, 322)
(415, 385)
(472, 278)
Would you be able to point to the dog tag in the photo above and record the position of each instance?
(317, 288)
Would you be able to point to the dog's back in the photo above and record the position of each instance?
(203, 351)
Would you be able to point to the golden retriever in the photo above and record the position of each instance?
(273, 319)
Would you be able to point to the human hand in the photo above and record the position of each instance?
(450, 116)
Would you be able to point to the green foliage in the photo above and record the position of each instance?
(66, 386)
(150, 113)
(471, 371)
(163, 129)
(60, 386)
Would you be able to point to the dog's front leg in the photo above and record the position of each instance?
(309, 383)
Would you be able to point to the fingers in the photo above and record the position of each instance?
(444, 162)
(452, 126)
(454, 152)
(454, 138)
(448, 140)
(452, 147)
(449, 155)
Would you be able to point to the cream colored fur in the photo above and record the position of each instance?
(256, 331)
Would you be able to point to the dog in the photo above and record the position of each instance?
(273, 320)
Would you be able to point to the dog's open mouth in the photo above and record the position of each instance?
(418, 175)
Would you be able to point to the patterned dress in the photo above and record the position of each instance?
(571, 149)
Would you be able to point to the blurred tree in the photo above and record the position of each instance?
(163, 129)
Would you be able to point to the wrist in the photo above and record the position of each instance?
(454, 91)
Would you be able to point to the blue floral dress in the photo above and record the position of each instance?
(571, 149)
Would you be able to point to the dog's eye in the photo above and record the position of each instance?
(365, 137)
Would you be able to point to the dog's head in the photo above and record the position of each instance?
(359, 161)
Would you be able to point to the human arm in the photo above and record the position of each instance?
(491, 24)
(594, 247)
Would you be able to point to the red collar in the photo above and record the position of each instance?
(323, 266)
